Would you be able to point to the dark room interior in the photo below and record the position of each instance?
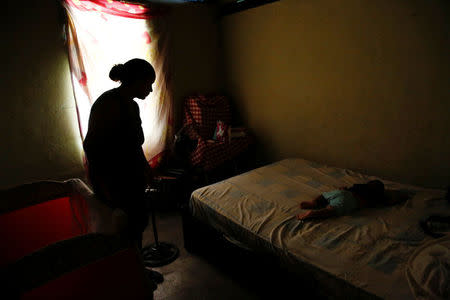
(257, 109)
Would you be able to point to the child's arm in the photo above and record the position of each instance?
(317, 202)
(326, 212)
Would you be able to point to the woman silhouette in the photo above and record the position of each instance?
(118, 169)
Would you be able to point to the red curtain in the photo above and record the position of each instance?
(116, 8)
(102, 33)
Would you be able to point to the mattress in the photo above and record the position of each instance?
(368, 253)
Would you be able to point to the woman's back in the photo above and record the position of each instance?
(115, 134)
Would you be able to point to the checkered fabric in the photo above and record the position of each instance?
(201, 114)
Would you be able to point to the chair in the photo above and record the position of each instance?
(201, 113)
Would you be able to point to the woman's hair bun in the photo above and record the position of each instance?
(117, 72)
(132, 70)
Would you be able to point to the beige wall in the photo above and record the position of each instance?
(357, 84)
(39, 138)
(195, 55)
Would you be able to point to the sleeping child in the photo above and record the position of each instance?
(344, 201)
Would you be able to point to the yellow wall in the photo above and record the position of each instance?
(195, 55)
(357, 84)
(352, 83)
(39, 137)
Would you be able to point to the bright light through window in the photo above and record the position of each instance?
(103, 34)
(106, 40)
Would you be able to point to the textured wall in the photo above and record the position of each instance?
(38, 118)
(195, 55)
(353, 83)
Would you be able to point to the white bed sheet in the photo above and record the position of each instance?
(369, 249)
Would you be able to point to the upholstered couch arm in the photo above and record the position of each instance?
(56, 259)
(67, 256)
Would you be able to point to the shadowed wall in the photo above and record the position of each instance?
(40, 138)
(352, 83)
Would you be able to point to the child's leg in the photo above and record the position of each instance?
(318, 202)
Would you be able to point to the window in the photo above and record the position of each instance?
(101, 34)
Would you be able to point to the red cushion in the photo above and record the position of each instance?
(204, 112)
(201, 113)
(119, 276)
(25, 230)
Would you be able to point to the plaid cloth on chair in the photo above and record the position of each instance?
(201, 114)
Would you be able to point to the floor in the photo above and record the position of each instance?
(191, 276)
(216, 275)
(196, 277)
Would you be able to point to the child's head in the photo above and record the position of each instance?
(372, 191)
(376, 188)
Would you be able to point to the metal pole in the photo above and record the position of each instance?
(155, 232)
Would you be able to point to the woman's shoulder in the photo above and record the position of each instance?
(106, 104)
(109, 97)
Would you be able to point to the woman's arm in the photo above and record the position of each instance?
(148, 171)
(326, 212)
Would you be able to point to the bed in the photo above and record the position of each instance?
(374, 253)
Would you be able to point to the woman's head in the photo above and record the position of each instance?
(136, 74)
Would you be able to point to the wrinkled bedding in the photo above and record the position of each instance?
(372, 252)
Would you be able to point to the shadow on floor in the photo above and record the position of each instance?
(219, 274)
